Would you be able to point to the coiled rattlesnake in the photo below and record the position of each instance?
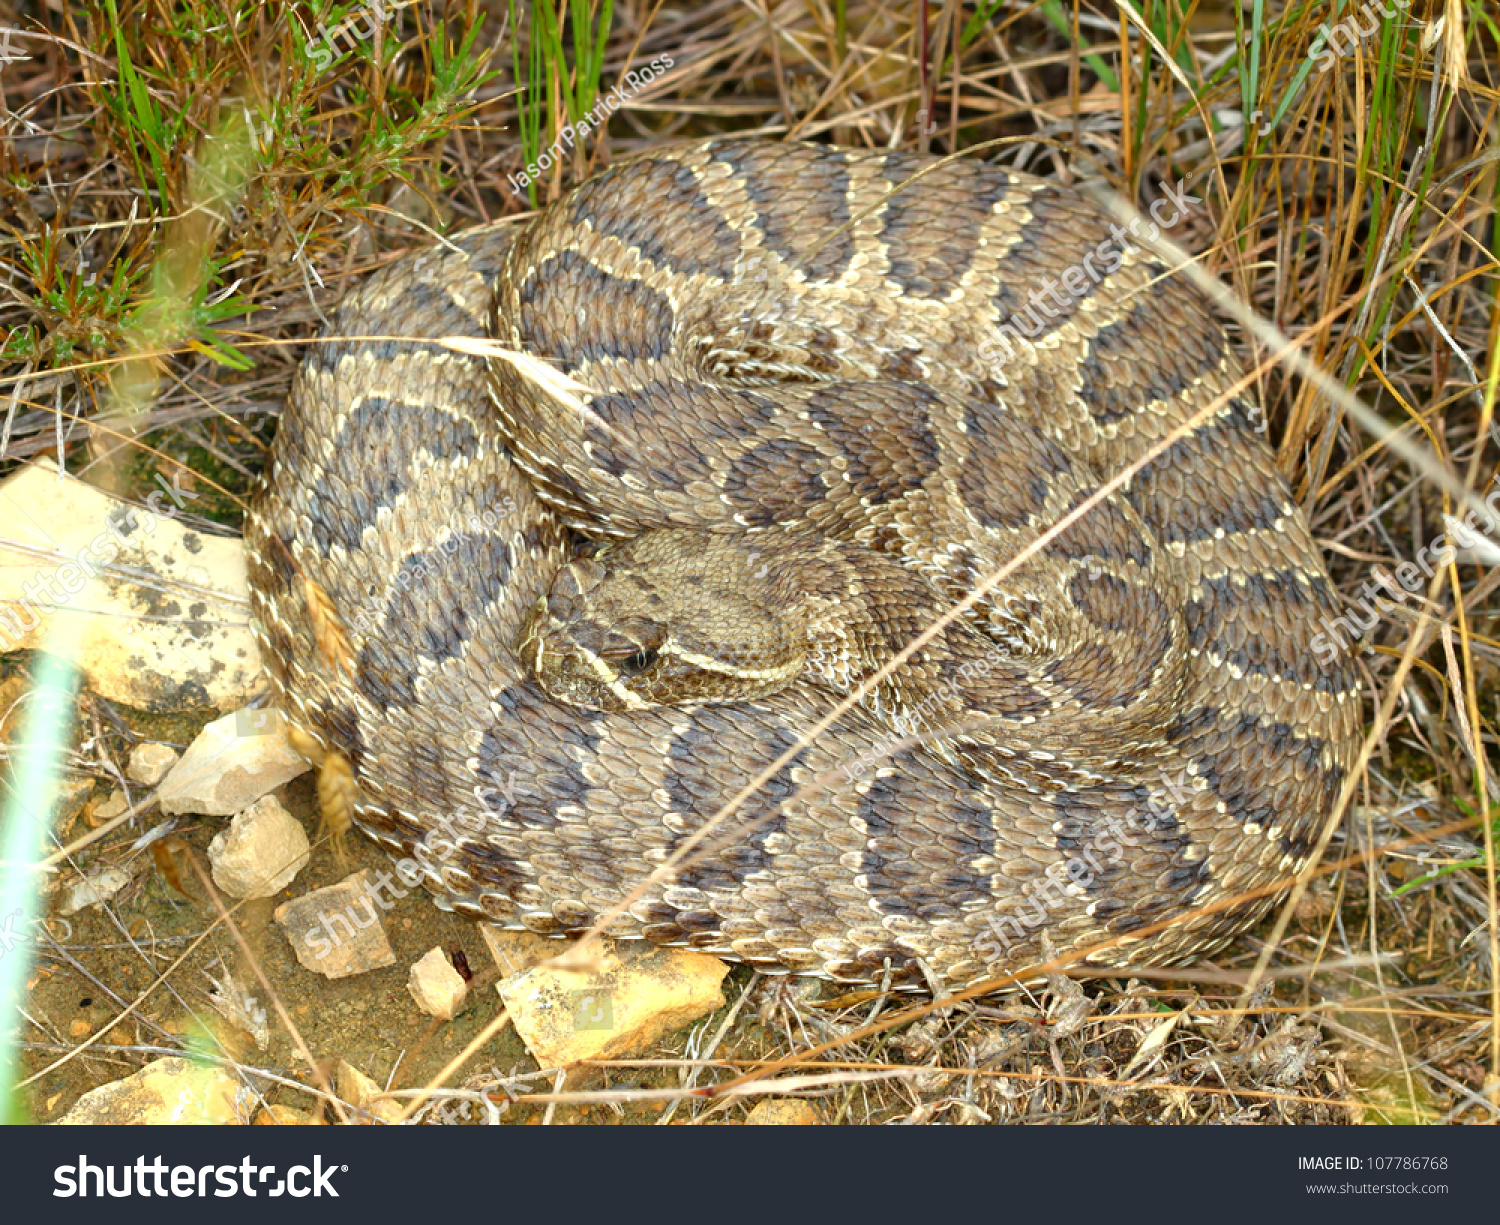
(1160, 736)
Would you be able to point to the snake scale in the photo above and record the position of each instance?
(788, 368)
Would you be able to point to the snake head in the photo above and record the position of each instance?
(671, 618)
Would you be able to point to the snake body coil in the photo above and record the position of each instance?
(819, 376)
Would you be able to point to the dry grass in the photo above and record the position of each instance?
(185, 190)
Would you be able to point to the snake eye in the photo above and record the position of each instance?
(634, 665)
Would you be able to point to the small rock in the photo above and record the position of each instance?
(515, 951)
(283, 1116)
(338, 931)
(633, 995)
(233, 762)
(160, 608)
(437, 987)
(109, 808)
(91, 890)
(784, 1112)
(149, 763)
(261, 852)
(171, 1090)
(360, 1092)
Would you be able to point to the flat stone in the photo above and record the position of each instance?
(149, 763)
(93, 889)
(233, 762)
(784, 1112)
(361, 1093)
(160, 609)
(439, 989)
(338, 931)
(110, 807)
(514, 951)
(283, 1116)
(632, 996)
(170, 1090)
(261, 852)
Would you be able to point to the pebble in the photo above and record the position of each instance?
(233, 762)
(283, 1116)
(170, 1090)
(261, 852)
(93, 889)
(161, 625)
(338, 931)
(110, 807)
(631, 996)
(149, 763)
(784, 1112)
(360, 1092)
(514, 951)
(439, 989)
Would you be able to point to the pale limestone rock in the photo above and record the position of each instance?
(113, 805)
(439, 989)
(360, 1092)
(339, 931)
(261, 852)
(149, 763)
(283, 1116)
(631, 996)
(514, 951)
(92, 889)
(233, 762)
(784, 1112)
(171, 1090)
(159, 610)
